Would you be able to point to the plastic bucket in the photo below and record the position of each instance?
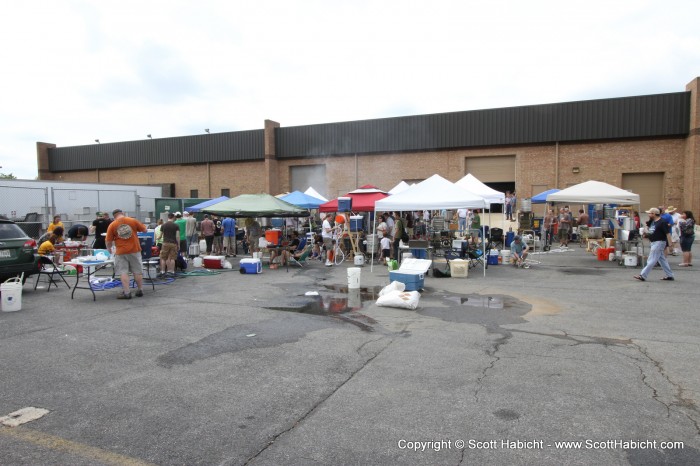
(505, 254)
(631, 260)
(359, 260)
(11, 291)
(354, 277)
(197, 262)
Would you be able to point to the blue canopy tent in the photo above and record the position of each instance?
(302, 200)
(202, 205)
(541, 198)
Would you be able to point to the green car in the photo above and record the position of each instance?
(17, 252)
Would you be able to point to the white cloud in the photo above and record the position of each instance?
(81, 70)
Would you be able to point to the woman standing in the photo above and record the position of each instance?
(687, 227)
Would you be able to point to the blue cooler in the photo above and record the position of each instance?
(413, 280)
(356, 222)
(277, 222)
(344, 204)
(250, 266)
(492, 259)
(420, 253)
(146, 241)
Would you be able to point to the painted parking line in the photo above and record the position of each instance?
(54, 443)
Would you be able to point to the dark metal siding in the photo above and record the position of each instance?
(659, 115)
(218, 147)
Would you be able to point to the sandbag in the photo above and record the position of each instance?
(393, 286)
(400, 299)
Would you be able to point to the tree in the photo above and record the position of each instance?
(7, 176)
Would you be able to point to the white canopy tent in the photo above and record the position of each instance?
(473, 185)
(313, 193)
(399, 187)
(594, 192)
(432, 194)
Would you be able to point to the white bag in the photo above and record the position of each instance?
(400, 299)
(393, 286)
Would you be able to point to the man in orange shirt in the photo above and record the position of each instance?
(122, 232)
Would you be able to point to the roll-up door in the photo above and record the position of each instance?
(495, 169)
(303, 176)
(649, 186)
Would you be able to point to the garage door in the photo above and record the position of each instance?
(303, 176)
(649, 186)
(492, 169)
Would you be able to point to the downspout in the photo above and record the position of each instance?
(556, 166)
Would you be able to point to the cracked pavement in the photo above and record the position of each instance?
(238, 369)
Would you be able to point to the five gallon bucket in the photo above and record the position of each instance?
(11, 291)
(354, 277)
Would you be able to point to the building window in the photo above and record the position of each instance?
(194, 193)
(226, 192)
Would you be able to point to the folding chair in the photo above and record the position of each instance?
(302, 258)
(48, 268)
(496, 237)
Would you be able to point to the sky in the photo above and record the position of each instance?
(75, 71)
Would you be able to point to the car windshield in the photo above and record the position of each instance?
(11, 231)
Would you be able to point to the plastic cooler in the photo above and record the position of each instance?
(492, 258)
(146, 241)
(213, 262)
(356, 222)
(411, 273)
(459, 268)
(273, 236)
(250, 266)
(509, 238)
(604, 253)
(344, 204)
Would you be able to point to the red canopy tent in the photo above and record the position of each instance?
(363, 199)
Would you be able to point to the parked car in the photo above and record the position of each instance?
(17, 252)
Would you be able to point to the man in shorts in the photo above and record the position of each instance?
(171, 242)
(122, 233)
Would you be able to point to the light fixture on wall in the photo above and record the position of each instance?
(97, 141)
(576, 170)
(206, 130)
(149, 136)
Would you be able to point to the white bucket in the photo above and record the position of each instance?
(202, 245)
(505, 254)
(611, 256)
(354, 277)
(11, 291)
(359, 260)
(197, 262)
(631, 260)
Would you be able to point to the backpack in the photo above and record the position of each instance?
(180, 262)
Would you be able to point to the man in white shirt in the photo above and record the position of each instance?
(327, 232)
(462, 221)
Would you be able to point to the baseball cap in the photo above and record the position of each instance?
(117, 211)
(185, 213)
(99, 214)
(654, 211)
(178, 214)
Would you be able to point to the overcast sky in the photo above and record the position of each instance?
(76, 71)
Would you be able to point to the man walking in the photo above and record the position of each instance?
(229, 227)
(122, 233)
(660, 237)
(171, 242)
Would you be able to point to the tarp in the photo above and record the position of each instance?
(541, 198)
(594, 192)
(312, 192)
(256, 205)
(473, 185)
(302, 200)
(202, 205)
(363, 200)
(399, 187)
(434, 193)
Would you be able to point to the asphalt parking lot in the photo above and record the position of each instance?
(238, 369)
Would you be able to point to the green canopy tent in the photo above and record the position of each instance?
(256, 205)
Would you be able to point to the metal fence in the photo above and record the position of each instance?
(33, 208)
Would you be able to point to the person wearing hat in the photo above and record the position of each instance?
(518, 252)
(99, 229)
(659, 234)
(123, 235)
(675, 229)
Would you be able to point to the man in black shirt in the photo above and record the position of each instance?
(171, 240)
(99, 228)
(659, 234)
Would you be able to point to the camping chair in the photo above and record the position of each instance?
(49, 268)
(475, 255)
(302, 258)
(496, 238)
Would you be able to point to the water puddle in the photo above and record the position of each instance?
(340, 302)
(486, 302)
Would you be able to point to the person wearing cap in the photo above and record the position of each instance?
(99, 229)
(518, 252)
(123, 234)
(659, 234)
(182, 224)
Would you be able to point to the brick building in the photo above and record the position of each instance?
(647, 144)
